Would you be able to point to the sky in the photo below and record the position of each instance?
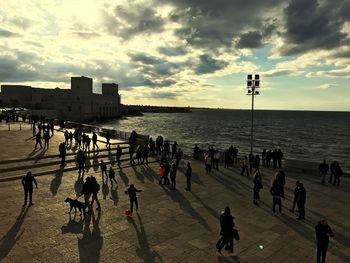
(184, 52)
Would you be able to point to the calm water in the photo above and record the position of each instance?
(299, 134)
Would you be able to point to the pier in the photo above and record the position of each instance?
(170, 226)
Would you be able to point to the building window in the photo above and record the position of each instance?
(69, 108)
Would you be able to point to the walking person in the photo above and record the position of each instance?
(27, 182)
(131, 153)
(166, 165)
(63, 153)
(81, 158)
(87, 191)
(145, 154)
(188, 176)
(111, 176)
(333, 164)
(323, 232)
(103, 168)
(257, 186)
(95, 189)
(108, 138)
(46, 139)
(216, 159)
(296, 190)
(173, 171)
(301, 201)
(38, 140)
(227, 224)
(323, 168)
(132, 197)
(119, 154)
(94, 141)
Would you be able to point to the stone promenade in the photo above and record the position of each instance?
(170, 226)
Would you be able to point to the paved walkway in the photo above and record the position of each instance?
(171, 226)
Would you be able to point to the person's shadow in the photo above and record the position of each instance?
(74, 227)
(105, 189)
(144, 251)
(12, 235)
(123, 176)
(78, 186)
(91, 243)
(114, 195)
(95, 163)
(56, 181)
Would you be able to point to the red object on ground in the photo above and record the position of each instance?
(128, 213)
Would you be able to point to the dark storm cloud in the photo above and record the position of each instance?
(252, 39)
(172, 51)
(7, 33)
(314, 25)
(213, 24)
(11, 70)
(127, 22)
(146, 59)
(29, 67)
(208, 64)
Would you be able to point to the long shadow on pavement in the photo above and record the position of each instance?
(185, 205)
(56, 182)
(144, 251)
(124, 177)
(12, 236)
(91, 243)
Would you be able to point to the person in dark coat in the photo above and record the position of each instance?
(333, 164)
(38, 140)
(111, 176)
(227, 224)
(95, 189)
(81, 158)
(301, 199)
(173, 170)
(27, 182)
(257, 186)
(296, 189)
(323, 232)
(87, 191)
(103, 168)
(276, 192)
(131, 153)
(132, 197)
(63, 153)
(108, 138)
(119, 154)
(94, 141)
(338, 172)
(188, 176)
(323, 168)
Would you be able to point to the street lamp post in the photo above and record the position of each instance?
(253, 86)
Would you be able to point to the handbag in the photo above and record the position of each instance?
(235, 234)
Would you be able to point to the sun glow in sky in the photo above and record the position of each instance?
(184, 52)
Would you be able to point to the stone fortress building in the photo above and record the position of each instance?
(78, 103)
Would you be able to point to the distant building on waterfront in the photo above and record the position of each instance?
(78, 103)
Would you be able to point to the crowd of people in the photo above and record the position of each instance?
(170, 155)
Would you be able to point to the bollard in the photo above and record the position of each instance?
(9, 127)
(20, 126)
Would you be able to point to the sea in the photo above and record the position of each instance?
(301, 135)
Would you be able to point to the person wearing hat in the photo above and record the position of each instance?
(27, 182)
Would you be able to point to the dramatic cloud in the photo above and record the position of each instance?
(207, 64)
(314, 25)
(178, 51)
